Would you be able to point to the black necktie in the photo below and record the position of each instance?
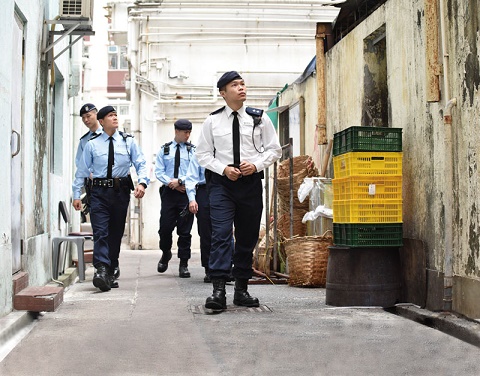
(177, 162)
(236, 139)
(111, 159)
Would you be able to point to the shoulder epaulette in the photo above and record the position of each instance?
(166, 148)
(256, 114)
(189, 146)
(218, 111)
(85, 135)
(94, 136)
(125, 135)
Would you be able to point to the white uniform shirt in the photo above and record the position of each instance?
(215, 143)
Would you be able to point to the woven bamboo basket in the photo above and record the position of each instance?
(307, 259)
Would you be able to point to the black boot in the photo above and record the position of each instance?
(218, 300)
(183, 269)
(241, 297)
(207, 278)
(163, 263)
(101, 278)
(116, 272)
(112, 279)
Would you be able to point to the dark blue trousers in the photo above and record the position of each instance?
(237, 204)
(173, 202)
(204, 225)
(108, 213)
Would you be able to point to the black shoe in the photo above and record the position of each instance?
(183, 271)
(241, 297)
(113, 282)
(207, 278)
(163, 263)
(116, 272)
(101, 278)
(218, 300)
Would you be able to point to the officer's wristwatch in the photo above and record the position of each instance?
(144, 185)
(180, 181)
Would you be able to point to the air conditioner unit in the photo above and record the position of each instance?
(77, 9)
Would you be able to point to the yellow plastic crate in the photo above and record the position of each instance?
(367, 163)
(367, 211)
(368, 187)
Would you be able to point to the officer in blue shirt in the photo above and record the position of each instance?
(108, 158)
(199, 204)
(88, 113)
(171, 167)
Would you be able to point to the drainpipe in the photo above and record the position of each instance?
(448, 192)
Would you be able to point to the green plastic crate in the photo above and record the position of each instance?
(368, 235)
(367, 139)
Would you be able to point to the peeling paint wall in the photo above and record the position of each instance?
(422, 122)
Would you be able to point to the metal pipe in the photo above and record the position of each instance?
(234, 19)
(448, 192)
(290, 152)
(225, 4)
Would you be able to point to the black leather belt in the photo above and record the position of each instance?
(110, 183)
(199, 186)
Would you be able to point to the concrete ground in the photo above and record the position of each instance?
(155, 324)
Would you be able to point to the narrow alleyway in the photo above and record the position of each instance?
(154, 325)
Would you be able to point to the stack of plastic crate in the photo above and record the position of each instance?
(367, 189)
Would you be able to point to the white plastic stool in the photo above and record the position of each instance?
(79, 241)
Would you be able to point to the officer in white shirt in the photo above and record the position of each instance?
(235, 145)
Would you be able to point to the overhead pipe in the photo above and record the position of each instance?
(231, 19)
(448, 191)
(233, 4)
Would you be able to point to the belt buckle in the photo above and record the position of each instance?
(110, 183)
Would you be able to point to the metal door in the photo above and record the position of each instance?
(16, 142)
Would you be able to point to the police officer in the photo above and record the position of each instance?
(236, 144)
(108, 157)
(88, 113)
(171, 167)
(199, 204)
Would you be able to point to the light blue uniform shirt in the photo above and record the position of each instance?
(165, 163)
(83, 141)
(95, 160)
(195, 175)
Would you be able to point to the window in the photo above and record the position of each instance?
(375, 101)
(117, 57)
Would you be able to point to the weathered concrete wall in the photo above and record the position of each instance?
(348, 75)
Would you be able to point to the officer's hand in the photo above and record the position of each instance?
(232, 173)
(247, 168)
(139, 191)
(173, 184)
(181, 188)
(77, 204)
(193, 207)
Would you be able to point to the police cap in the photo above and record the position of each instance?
(104, 111)
(87, 107)
(183, 125)
(228, 77)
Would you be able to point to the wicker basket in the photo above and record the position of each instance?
(307, 259)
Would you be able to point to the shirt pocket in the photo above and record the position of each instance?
(121, 156)
(247, 134)
(222, 136)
